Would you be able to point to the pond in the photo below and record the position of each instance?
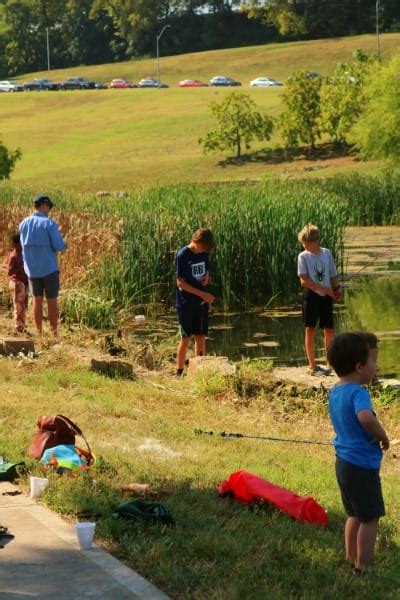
(277, 333)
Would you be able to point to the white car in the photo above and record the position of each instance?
(265, 82)
(8, 86)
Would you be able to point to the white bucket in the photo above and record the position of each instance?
(85, 534)
(38, 484)
(140, 319)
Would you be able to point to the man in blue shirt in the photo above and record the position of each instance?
(41, 240)
(359, 442)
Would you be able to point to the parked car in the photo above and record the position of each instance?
(99, 85)
(9, 86)
(224, 81)
(265, 82)
(314, 74)
(192, 83)
(77, 83)
(151, 83)
(39, 84)
(121, 84)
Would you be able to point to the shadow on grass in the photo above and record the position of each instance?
(223, 549)
(275, 156)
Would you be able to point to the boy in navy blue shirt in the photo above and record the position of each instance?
(359, 442)
(192, 300)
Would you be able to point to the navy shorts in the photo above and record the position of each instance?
(361, 491)
(49, 285)
(193, 319)
(316, 309)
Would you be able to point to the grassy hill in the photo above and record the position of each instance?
(116, 139)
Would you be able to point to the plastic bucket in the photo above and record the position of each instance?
(38, 484)
(85, 534)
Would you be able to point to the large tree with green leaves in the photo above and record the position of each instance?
(343, 96)
(281, 14)
(377, 131)
(300, 121)
(238, 124)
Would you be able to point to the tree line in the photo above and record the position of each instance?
(97, 31)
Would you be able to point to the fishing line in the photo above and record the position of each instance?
(227, 435)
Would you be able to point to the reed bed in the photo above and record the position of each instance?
(255, 228)
(122, 250)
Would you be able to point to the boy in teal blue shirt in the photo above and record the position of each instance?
(359, 442)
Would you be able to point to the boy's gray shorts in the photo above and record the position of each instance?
(49, 285)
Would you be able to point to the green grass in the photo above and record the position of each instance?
(216, 550)
(119, 139)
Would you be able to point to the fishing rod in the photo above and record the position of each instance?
(227, 435)
(370, 263)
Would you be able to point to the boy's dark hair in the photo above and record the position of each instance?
(205, 237)
(15, 238)
(348, 349)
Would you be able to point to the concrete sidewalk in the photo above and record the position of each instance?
(43, 560)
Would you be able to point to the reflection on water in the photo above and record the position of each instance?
(371, 305)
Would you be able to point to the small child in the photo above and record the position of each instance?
(18, 283)
(192, 300)
(359, 441)
(318, 277)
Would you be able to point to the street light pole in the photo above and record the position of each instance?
(158, 51)
(377, 7)
(48, 48)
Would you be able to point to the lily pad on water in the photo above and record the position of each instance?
(270, 344)
(250, 344)
(221, 327)
(260, 335)
(276, 314)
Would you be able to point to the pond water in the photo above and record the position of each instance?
(372, 305)
(278, 334)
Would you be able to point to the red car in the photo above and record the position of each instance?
(192, 83)
(121, 84)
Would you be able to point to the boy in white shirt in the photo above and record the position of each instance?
(318, 276)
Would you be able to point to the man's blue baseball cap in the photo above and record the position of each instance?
(42, 199)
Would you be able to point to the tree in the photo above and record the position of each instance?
(8, 160)
(300, 122)
(376, 133)
(238, 124)
(279, 13)
(343, 96)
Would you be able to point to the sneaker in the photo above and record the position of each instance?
(324, 370)
(313, 371)
(319, 370)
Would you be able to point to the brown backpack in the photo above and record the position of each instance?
(53, 431)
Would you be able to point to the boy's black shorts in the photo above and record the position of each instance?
(317, 308)
(193, 319)
(361, 491)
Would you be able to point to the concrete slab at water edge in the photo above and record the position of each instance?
(300, 375)
(43, 560)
